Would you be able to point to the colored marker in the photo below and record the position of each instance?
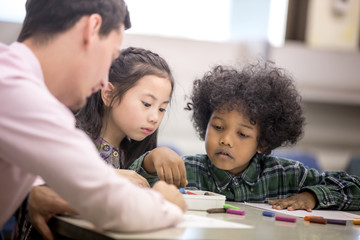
(235, 211)
(285, 219)
(182, 190)
(268, 214)
(216, 210)
(336, 221)
(356, 222)
(190, 193)
(307, 218)
(227, 206)
(318, 220)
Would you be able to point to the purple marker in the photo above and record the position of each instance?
(336, 221)
(285, 219)
(235, 211)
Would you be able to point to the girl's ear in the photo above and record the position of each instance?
(107, 94)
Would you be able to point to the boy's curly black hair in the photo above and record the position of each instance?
(262, 92)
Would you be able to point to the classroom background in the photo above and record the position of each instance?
(317, 41)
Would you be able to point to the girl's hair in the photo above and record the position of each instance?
(125, 72)
(262, 92)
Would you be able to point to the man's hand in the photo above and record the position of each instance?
(134, 177)
(168, 165)
(170, 193)
(44, 203)
(305, 200)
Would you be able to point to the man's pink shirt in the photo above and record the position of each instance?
(38, 137)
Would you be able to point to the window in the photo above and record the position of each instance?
(208, 20)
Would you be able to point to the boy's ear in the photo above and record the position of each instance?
(260, 150)
(107, 94)
(92, 29)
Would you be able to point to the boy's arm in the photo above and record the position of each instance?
(305, 200)
(329, 190)
(164, 162)
(137, 166)
(336, 190)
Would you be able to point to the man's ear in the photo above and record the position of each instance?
(92, 29)
(107, 94)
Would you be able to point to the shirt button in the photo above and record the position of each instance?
(115, 154)
(106, 147)
(251, 189)
(325, 202)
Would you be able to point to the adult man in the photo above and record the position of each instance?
(63, 55)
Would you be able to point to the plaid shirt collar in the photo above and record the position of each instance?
(223, 178)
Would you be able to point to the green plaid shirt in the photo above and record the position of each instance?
(269, 177)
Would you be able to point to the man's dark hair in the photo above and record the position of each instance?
(46, 18)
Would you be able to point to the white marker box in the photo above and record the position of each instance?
(203, 200)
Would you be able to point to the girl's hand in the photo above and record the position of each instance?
(304, 200)
(134, 177)
(168, 165)
(170, 193)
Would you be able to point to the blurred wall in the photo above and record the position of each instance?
(9, 31)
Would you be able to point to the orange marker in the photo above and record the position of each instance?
(307, 218)
(356, 222)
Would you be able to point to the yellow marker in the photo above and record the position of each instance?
(356, 222)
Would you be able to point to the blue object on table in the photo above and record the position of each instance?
(268, 214)
(182, 190)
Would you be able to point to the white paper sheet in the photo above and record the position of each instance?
(194, 221)
(330, 214)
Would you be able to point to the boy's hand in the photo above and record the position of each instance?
(168, 165)
(304, 200)
(170, 193)
(134, 177)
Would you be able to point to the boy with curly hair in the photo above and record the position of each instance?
(245, 114)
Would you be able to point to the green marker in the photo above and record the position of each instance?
(226, 206)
